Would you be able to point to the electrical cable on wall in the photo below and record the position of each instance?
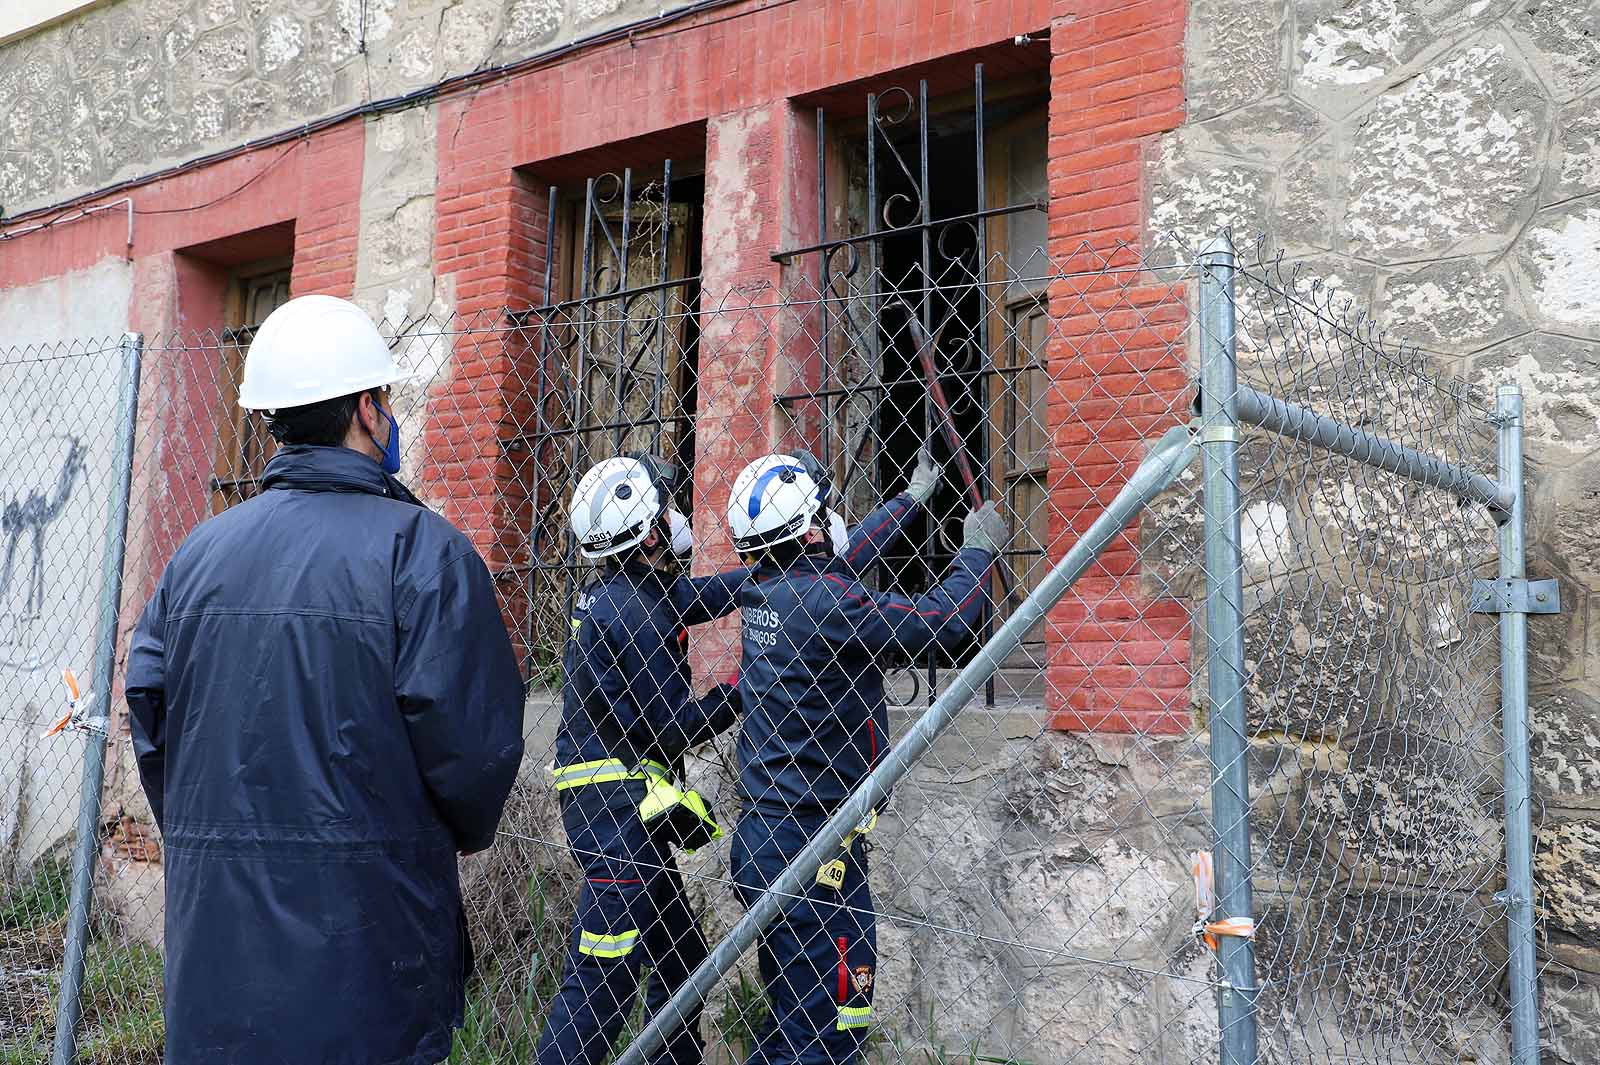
(447, 87)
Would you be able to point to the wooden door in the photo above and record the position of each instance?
(1018, 330)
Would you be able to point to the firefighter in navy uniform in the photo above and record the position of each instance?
(628, 716)
(815, 724)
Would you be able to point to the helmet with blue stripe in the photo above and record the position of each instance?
(775, 499)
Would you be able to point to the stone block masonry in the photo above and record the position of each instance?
(1438, 163)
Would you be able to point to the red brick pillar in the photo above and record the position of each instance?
(1118, 660)
(489, 249)
(328, 220)
(759, 197)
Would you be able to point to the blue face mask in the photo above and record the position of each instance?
(391, 454)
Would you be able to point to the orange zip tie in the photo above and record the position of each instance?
(1238, 927)
(71, 681)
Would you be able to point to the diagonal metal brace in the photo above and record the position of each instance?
(1516, 595)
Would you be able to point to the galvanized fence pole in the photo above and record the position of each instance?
(1171, 455)
(1307, 427)
(1522, 965)
(69, 1010)
(1224, 640)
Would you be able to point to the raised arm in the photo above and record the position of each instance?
(943, 616)
(884, 525)
(702, 599)
(659, 711)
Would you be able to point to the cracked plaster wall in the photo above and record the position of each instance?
(1439, 162)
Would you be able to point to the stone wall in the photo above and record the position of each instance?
(1440, 163)
(132, 87)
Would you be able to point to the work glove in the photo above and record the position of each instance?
(925, 478)
(724, 698)
(985, 529)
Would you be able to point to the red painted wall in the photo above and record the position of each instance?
(1117, 660)
(315, 183)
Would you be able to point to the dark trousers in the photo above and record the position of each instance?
(632, 912)
(819, 960)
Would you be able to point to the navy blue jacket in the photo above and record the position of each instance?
(626, 663)
(811, 676)
(627, 693)
(326, 708)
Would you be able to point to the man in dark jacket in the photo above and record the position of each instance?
(326, 710)
(628, 716)
(815, 724)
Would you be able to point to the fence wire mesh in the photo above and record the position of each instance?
(1029, 893)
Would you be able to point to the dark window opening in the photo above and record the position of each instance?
(243, 443)
(932, 259)
(974, 284)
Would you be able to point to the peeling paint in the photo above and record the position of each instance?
(1263, 532)
(531, 21)
(279, 41)
(589, 10)
(1450, 155)
(1563, 254)
(1360, 44)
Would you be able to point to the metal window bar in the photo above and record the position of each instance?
(943, 271)
(569, 340)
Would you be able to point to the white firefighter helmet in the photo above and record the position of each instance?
(616, 505)
(774, 499)
(311, 349)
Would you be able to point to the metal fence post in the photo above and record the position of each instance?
(1224, 638)
(1523, 968)
(70, 1008)
(1161, 467)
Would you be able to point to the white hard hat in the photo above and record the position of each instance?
(774, 499)
(311, 349)
(615, 506)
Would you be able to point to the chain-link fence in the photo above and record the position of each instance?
(1051, 880)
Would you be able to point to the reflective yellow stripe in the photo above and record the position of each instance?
(854, 1017)
(607, 946)
(603, 770)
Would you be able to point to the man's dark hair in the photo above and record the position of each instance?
(322, 424)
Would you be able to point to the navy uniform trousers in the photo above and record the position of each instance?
(819, 959)
(632, 912)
